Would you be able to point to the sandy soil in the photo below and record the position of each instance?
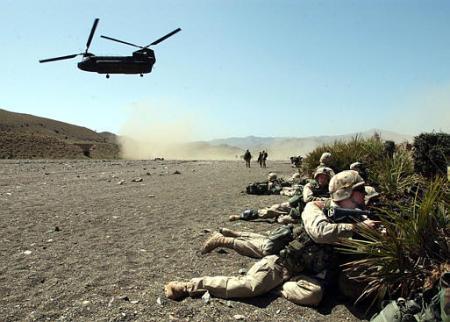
(76, 245)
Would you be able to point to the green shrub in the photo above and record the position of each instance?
(431, 152)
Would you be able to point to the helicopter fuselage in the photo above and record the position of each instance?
(139, 63)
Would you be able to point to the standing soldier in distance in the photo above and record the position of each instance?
(264, 158)
(247, 158)
(260, 159)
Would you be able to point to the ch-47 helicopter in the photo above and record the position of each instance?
(141, 61)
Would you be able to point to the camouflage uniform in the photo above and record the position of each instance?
(325, 159)
(312, 191)
(282, 270)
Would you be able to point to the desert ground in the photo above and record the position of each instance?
(80, 241)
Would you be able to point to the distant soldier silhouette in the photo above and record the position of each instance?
(260, 159)
(264, 158)
(247, 158)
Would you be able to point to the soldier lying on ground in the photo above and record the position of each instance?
(258, 245)
(272, 186)
(315, 190)
(299, 269)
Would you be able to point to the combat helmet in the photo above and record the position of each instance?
(272, 176)
(324, 170)
(355, 166)
(342, 184)
(370, 193)
(325, 158)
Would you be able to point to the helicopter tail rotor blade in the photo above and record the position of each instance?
(58, 58)
(91, 35)
(121, 41)
(170, 34)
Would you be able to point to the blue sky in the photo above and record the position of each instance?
(238, 68)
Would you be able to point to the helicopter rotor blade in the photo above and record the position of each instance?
(91, 35)
(170, 34)
(121, 41)
(59, 58)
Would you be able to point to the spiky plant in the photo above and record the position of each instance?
(414, 242)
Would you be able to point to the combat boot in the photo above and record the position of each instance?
(229, 233)
(217, 240)
(234, 217)
(176, 290)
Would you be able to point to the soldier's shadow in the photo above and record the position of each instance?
(334, 298)
(262, 301)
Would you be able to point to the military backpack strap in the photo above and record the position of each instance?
(279, 238)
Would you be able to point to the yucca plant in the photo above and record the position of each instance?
(395, 176)
(403, 257)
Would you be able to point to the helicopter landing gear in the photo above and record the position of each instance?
(107, 75)
(142, 75)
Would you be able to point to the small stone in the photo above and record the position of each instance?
(229, 304)
(242, 271)
(278, 311)
(121, 182)
(159, 301)
(239, 317)
(151, 196)
(148, 173)
(57, 228)
(124, 298)
(86, 303)
(111, 301)
(27, 252)
(206, 297)
(221, 251)
(134, 302)
(49, 240)
(137, 180)
(177, 172)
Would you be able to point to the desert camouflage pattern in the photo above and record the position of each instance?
(342, 184)
(325, 159)
(324, 170)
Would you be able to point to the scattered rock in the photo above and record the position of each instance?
(239, 317)
(27, 252)
(121, 182)
(86, 303)
(137, 179)
(206, 297)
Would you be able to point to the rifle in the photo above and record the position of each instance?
(339, 214)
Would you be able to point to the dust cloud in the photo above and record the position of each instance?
(426, 111)
(151, 132)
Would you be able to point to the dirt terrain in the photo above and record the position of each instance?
(79, 241)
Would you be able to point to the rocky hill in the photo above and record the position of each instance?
(24, 136)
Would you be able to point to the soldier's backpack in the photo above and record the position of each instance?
(258, 188)
(278, 239)
(249, 214)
